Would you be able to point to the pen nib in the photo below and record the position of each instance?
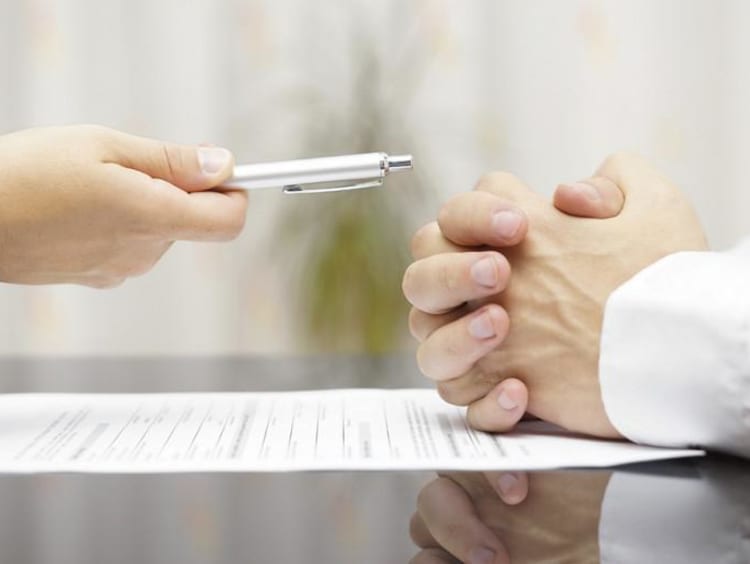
(399, 162)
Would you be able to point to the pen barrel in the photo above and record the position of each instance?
(345, 168)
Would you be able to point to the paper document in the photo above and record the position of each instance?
(279, 431)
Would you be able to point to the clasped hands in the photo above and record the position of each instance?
(509, 290)
(509, 517)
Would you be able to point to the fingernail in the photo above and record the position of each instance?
(587, 190)
(507, 482)
(506, 402)
(213, 159)
(484, 272)
(481, 555)
(506, 223)
(481, 327)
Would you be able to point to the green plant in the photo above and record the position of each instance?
(352, 248)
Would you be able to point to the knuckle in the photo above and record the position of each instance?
(445, 215)
(423, 361)
(414, 528)
(485, 181)
(504, 185)
(420, 241)
(631, 171)
(235, 225)
(430, 362)
(614, 161)
(433, 491)
(172, 158)
(408, 284)
(415, 318)
(477, 420)
(425, 495)
(621, 161)
(449, 393)
(495, 180)
(450, 216)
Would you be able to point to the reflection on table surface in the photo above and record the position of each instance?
(681, 511)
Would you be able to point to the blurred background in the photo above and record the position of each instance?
(545, 89)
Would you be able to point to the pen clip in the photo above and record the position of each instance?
(302, 189)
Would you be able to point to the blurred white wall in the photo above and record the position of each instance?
(543, 88)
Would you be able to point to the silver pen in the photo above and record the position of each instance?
(315, 176)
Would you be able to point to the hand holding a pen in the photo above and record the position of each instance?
(509, 291)
(93, 206)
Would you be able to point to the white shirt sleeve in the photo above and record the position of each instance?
(675, 352)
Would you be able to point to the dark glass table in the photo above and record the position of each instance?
(680, 511)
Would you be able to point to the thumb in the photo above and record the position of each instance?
(190, 167)
(596, 197)
(501, 408)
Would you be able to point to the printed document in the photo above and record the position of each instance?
(355, 429)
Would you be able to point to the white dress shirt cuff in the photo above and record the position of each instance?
(675, 352)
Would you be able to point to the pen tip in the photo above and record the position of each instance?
(400, 162)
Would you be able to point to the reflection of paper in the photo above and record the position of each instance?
(320, 430)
